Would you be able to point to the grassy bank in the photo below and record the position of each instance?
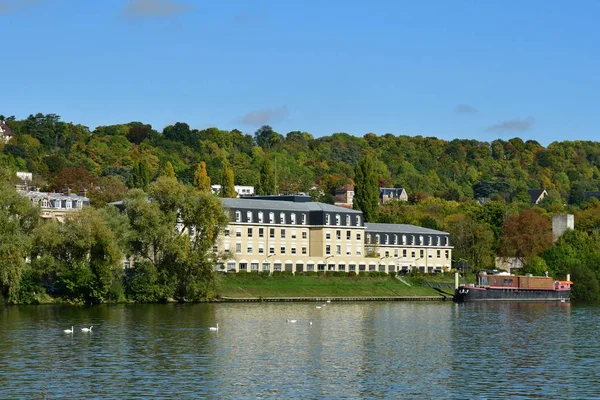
(249, 285)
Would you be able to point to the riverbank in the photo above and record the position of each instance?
(250, 287)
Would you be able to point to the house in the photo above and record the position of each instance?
(294, 234)
(386, 194)
(344, 195)
(56, 205)
(240, 190)
(5, 132)
(537, 195)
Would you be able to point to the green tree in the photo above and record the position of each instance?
(227, 185)
(201, 178)
(167, 170)
(266, 183)
(366, 190)
(140, 176)
(266, 137)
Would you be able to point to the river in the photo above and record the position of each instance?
(377, 350)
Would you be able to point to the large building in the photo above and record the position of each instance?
(292, 233)
(56, 205)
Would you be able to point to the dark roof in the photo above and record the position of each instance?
(250, 204)
(345, 188)
(401, 228)
(588, 195)
(535, 194)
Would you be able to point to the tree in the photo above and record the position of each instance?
(108, 189)
(167, 170)
(526, 235)
(140, 176)
(227, 185)
(472, 240)
(366, 190)
(266, 137)
(201, 178)
(266, 183)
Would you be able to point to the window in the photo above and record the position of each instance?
(404, 253)
(249, 232)
(381, 268)
(303, 249)
(261, 249)
(368, 239)
(342, 267)
(327, 219)
(243, 267)
(260, 217)
(338, 250)
(328, 249)
(387, 253)
(282, 249)
(310, 267)
(347, 220)
(231, 266)
(238, 232)
(358, 220)
(303, 219)
(238, 216)
(447, 254)
(348, 235)
(337, 219)
(216, 248)
(271, 217)
(338, 235)
(254, 266)
(226, 247)
(283, 233)
(327, 235)
(396, 253)
(277, 267)
(421, 239)
(412, 254)
(304, 234)
(238, 248)
(358, 250)
(352, 268)
(271, 249)
(348, 250)
(282, 218)
(439, 254)
(261, 232)
(321, 267)
(249, 216)
(293, 218)
(403, 239)
(387, 239)
(437, 240)
(358, 236)
(249, 249)
(421, 253)
(293, 233)
(377, 239)
(293, 250)
(330, 267)
(227, 232)
(266, 267)
(429, 253)
(272, 233)
(395, 239)
(446, 241)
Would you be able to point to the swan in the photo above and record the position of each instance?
(292, 321)
(310, 323)
(318, 307)
(212, 328)
(87, 329)
(69, 330)
(329, 301)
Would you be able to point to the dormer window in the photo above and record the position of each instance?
(282, 218)
(358, 220)
(421, 240)
(272, 217)
(327, 219)
(403, 239)
(303, 219)
(368, 237)
(45, 203)
(293, 218)
(387, 239)
(249, 216)
(337, 219)
(260, 217)
(347, 220)
(377, 239)
(238, 216)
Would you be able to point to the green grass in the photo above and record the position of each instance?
(231, 285)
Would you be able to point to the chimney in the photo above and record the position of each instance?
(67, 191)
(83, 192)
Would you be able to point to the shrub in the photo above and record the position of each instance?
(242, 273)
(310, 273)
(392, 274)
(321, 273)
(351, 274)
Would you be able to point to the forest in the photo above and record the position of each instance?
(442, 178)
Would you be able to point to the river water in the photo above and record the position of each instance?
(379, 350)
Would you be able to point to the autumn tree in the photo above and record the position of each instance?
(227, 183)
(526, 235)
(201, 178)
(266, 183)
(366, 190)
(167, 170)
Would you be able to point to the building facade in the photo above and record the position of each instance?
(387, 194)
(56, 205)
(294, 234)
(240, 190)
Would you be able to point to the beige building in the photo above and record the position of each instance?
(292, 233)
(56, 205)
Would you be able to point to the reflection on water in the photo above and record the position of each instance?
(354, 350)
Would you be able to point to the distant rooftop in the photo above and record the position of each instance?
(257, 203)
(402, 228)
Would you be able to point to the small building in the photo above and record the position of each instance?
(344, 196)
(537, 195)
(5, 132)
(240, 190)
(560, 223)
(387, 194)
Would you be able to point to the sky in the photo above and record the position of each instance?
(473, 69)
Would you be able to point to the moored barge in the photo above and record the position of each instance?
(506, 287)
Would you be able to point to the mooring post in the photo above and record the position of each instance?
(456, 280)
(568, 277)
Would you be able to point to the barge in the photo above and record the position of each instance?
(506, 287)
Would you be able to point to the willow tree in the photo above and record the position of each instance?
(201, 178)
(366, 189)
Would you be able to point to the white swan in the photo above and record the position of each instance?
(329, 301)
(292, 321)
(310, 323)
(213, 328)
(87, 329)
(69, 330)
(318, 307)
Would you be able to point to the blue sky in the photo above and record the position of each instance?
(451, 69)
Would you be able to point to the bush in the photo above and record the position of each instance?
(392, 274)
(374, 274)
(351, 274)
(242, 273)
(321, 273)
(310, 273)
